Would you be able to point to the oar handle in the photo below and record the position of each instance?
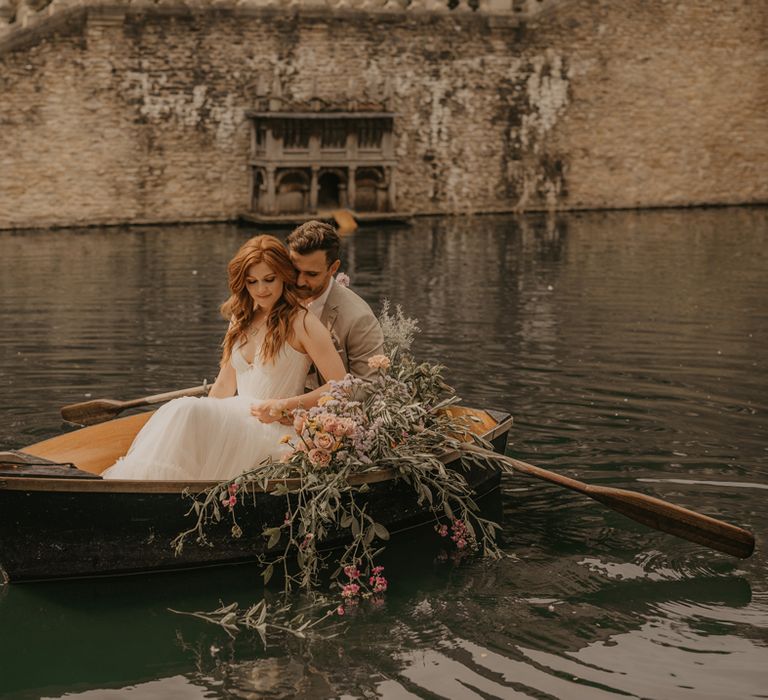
(201, 390)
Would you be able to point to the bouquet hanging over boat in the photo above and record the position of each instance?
(400, 426)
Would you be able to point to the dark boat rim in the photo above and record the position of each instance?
(99, 485)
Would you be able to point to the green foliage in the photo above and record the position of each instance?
(261, 619)
(339, 446)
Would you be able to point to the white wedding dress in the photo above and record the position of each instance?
(216, 439)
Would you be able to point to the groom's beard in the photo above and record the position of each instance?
(305, 294)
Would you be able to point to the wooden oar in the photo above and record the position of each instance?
(650, 511)
(100, 410)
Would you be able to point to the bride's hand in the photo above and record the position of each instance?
(268, 411)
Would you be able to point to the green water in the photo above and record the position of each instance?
(631, 349)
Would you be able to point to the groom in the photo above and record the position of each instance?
(314, 250)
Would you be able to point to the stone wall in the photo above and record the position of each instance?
(667, 101)
(136, 112)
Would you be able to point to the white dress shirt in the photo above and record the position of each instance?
(316, 306)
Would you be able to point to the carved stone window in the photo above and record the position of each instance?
(369, 134)
(295, 136)
(333, 135)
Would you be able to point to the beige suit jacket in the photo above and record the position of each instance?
(355, 331)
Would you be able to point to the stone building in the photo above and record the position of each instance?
(150, 110)
(317, 161)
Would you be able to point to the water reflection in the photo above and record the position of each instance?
(630, 347)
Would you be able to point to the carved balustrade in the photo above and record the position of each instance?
(15, 14)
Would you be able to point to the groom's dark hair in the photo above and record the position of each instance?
(315, 235)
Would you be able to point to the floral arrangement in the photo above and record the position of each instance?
(395, 421)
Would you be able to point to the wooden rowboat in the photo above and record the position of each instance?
(60, 519)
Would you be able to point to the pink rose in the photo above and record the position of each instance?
(379, 362)
(320, 458)
(324, 441)
(328, 421)
(342, 279)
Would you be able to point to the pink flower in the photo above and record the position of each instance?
(329, 422)
(351, 571)
(461, 543)
(350, 590)
(379, 584)
(324, 441)
(377, 570)
(320, 458)
(232, 501)
(379, 362)
(442, 530)
(342, 279)
(340, 610)
(298, 423)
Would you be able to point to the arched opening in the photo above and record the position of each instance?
(292, 192)
(329, 190)
(259, 189)
(369, 190)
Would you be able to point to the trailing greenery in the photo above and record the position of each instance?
(261, 619)
(397, 423)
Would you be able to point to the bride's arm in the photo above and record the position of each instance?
(315, 340)
(225, 384)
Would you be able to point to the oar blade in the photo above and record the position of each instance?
(676, 520)
(648, 510)
(90, 412)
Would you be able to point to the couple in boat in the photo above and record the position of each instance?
(287, 315)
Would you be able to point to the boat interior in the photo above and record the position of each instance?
(96, 447)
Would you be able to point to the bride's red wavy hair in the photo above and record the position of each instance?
(239, 307)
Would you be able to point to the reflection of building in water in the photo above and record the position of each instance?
(306, 162)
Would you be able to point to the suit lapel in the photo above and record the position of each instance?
(331, 310)
(328, 319)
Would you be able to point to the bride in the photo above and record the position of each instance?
(268, 349)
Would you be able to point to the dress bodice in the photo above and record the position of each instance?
(279, 378)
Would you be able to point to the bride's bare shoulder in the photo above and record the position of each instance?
(307, 324)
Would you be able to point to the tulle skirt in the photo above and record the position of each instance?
(200, 439)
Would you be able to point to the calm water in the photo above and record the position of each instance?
(631, 348)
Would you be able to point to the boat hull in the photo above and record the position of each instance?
(66, 528)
